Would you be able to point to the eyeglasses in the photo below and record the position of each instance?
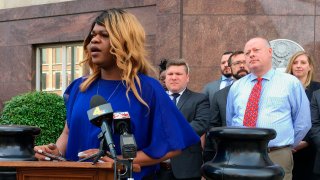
(238, 63)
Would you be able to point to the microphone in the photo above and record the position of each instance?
(121, 121)
(100, 114)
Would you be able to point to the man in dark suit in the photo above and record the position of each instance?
(225, 80)
(315, 129)
(195, 108)
(218, 104)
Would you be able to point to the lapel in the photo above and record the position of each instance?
(217, 85)
(183, 98)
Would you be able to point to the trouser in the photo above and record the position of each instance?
(165, 173)
(303, 164)
(283, 157)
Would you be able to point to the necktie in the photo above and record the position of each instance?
(175, 96)
(251, 113)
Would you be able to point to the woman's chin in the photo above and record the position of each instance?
(97, 62)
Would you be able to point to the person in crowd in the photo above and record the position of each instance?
(195, 108)
(162, 73)
(315, 131)
(225, 80)
(115, 51)
(301, 65)
(239, 69)
(268, 98)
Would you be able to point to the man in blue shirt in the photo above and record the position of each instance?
(283, 104)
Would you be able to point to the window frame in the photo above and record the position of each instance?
(64, 72)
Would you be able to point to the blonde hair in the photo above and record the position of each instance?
(127, 40)
(311, 64)
(178, 62)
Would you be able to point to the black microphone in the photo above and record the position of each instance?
(100, 114)
(121, 122)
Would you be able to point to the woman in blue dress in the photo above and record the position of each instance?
(115, 52)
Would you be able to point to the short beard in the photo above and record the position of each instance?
(238, 76)
(228, 75)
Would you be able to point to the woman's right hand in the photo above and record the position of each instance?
(50, 148)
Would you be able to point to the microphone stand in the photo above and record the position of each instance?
(101, 153)
(107, 142)
(128, 166)
(128, 145)
(98, 155)
(127, 163)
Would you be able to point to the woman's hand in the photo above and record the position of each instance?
(106, 158)
(50, 149)
(87, 153)
(92, 152)
(136, 167)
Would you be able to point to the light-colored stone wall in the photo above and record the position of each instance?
(6, 4)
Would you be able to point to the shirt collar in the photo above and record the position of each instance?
(181, 92)
(266, 76)
(223, 78)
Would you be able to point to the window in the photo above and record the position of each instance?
(57, 78)
(57, 55)
(44, 81)
(58, 66)
(43, 54)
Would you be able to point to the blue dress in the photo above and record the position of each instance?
(157, 130)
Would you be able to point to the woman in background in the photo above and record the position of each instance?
(301, 65)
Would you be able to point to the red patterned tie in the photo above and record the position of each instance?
(251, 113)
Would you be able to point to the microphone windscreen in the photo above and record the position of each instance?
(97, 100)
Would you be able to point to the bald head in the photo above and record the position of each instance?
(258, 54)
(263, 41)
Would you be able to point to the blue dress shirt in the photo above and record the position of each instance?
(225, 82)
(283, 106)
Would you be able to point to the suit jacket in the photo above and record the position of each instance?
(195, 108)
(313, 86)
(211, 88)
(218, 109)
(304, 159)
(315, 129)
